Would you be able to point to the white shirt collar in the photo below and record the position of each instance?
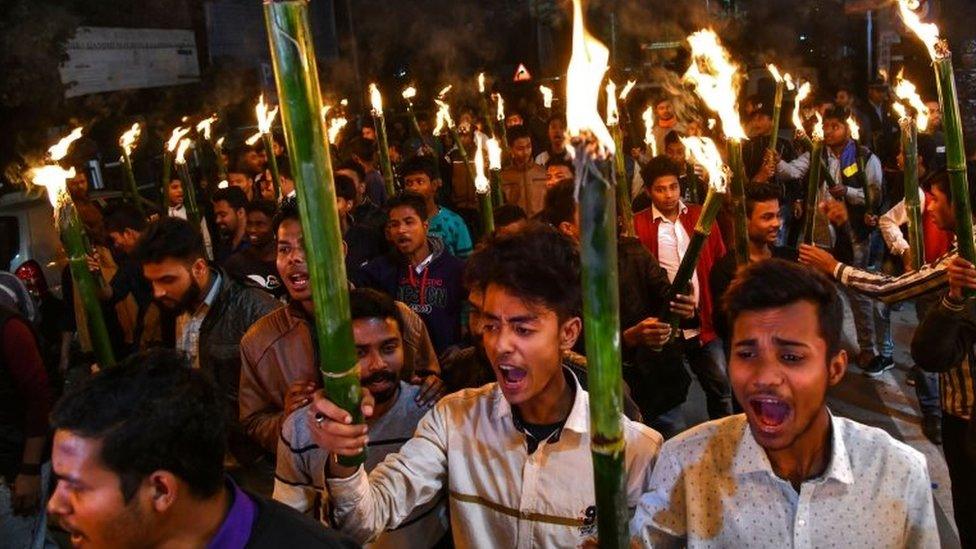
(656, 214)
(577, 421)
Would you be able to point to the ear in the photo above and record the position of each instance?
(836, 368)
(199, 269)
(163, 490)
(569, 332)
(567, 229)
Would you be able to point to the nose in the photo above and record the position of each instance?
(158, 291)
(503, 343)
(58, 504)
(767, 374)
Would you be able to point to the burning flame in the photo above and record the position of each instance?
(499, 106)
(265, 117)
(220, 143)
(174, 138)
(928, 33)
(906, 92)
(626, 91)
(250, 141)
(409, 93)
(325, 110)
(649, 140)
(335, 126)
(818, 127)
(376, 100)
(444, 119)
(129, 138)
(613, 117)
(587, 65)
(775, 72)
(344, 102)
(206, 125)
(54, 179)
(480, 181)
(789, 81)
(714, 76)
(481, 82)
(494, 154)
(704, 152)
(854, 128)
(223, 184)
(546, 96)
(802, 93)
(60, 149)
(181, 150)
(444, 91)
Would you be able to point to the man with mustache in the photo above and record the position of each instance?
(787, 472)
(231, 219)
(399, 406)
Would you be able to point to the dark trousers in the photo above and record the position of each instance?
(962, 473)
(707, 362)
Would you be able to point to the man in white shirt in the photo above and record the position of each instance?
(786, 473)
(514, 456)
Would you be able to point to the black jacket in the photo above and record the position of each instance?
(278, 525)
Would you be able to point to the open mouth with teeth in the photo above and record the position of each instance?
(298, 281)
(512, 377)
(770, 413)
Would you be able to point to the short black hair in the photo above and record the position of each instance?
(774, 283)
(232, 195)
(560, 203)
(152, 412)
(345, 187)
(940, 179)
(407, 199)
(236, 159)
(170, 238)
(517, 132)
(837, 113)
(124, 216)
(506, 214)
(554, 117)
(671, 138)
(418, 164)
(561, 161)
(537, 263)
(353, 166)
(287, 210)
(364, 149)
(267, 207)
(367, 303)
(761, 192)
(659, 166)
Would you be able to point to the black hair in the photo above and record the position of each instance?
(837, 113)
(941, 180)
(556, 116)
(506, 214)
(418, 164)
(287, 210)
(561, 161)
(367, 303)
(536, 263)
(560, 203)
(659, 166)
(775, 283)
(232, 195)
(761, 192)
(671, 138)
(124, 216)
(345, 187)
(170, 238)
(364, 149)
(407, 199)
(517, 132)
(267, 207)
(152, 412)
(354, 166)
(236, 159)
(928, 153)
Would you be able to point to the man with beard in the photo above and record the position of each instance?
(514, 454)
(176, 208)
(139, 458)
(398, 408)
(214, 312)
(278, 368)
(231, 221)
(787, 472)
(255, 265)
(665, 121)
(419, 271)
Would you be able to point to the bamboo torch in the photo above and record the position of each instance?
(910, 126)
(54, 178)
(500, 116)
(485, 113)
(619, 168)
(205, 131)
(495, 167)
(265, 120)
(189, 189)
(777, 104)
(444, 120)
(376, 100)
(296, 75)
(408, 94)
(601, 300)
(951, 124)
(128, 142)
(714, 77)
(546, 97)
(870, 197)
(483, 188)
(649, 139)
(813, 182)
(168, 152)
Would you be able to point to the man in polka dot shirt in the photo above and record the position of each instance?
(787, 472)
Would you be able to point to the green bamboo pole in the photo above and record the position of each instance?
(909, 146)
(623, 189)
(497, 198)
(824, 170)
(296, 75)
(502, 130)
(272, 162)
(167, 163)
(461, 150)
(487, 213)
(189, 195)
(955, 154)
(601, 319)
(813, 192)
(777, 112)
(131, 180)
(686, 269)
(738, 200)
(219, 159)
(384, 149)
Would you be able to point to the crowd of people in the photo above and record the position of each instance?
(214, 429)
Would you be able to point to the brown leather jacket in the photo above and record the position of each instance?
(277, 351)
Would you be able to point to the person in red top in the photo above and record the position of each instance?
(665, 229)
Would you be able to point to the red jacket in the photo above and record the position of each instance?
(646, 227)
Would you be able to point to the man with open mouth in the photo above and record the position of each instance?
(514, 455)
(787, 472)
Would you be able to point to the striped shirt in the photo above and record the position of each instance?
(945, 341)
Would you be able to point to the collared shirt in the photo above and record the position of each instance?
(500, 495)
(188, 324)
(891, 221)
(672, 243)
(713, 486)
(235, 531)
